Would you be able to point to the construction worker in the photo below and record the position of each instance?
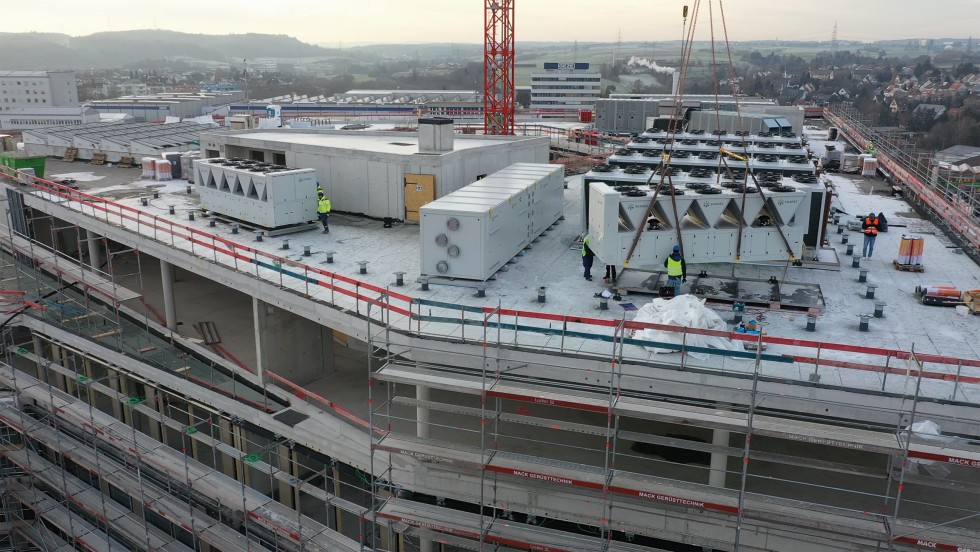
(870, 228)
(610, 277)
(587, 258)
(323, 211)
(676, 270)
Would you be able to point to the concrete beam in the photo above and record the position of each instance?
(169, 303)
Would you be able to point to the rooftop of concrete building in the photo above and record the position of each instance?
(376, 141)
(554, 263)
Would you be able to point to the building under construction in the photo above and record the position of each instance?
(174, 379)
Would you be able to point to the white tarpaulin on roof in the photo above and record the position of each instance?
(687, 311)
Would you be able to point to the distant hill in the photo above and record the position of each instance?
(115, 49)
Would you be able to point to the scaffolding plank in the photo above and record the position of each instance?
(79, 530)
(68, 270)
(91, 500)
(208, 529)
(259, 508)
(503, 532)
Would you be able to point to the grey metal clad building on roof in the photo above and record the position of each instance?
(382, 174)
(158, 107)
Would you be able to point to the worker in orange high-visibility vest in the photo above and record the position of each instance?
(870, 228)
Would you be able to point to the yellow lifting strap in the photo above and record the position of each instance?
(733, 154)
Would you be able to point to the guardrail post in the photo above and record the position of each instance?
(815, 376)
(683, 348)
(956, 382)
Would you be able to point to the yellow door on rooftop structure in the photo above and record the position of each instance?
(419, 190)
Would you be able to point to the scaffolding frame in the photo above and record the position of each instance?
(486, 438)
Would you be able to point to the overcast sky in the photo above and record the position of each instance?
(330, 22)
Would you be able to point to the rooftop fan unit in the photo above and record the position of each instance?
(765, 135)
(744, 189)
(636, 169)
(641, 140)
(713, 143)
(697, 132)
(783, 189)
(765, 145)
(624, 151)
(696, 185)
(708, 190)
(603, 168)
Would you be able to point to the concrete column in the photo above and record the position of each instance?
(94, 249)
(719, 461)
(422, 426)
(116, 406)
(289, 345)
(288, 494)
(227, 462)
(38, 347)
(59, 378)
(169, 306)
(238, 439)
(423, 429)
(152, 400)
(336, 492)
(87, 363)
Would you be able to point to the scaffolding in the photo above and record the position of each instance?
(554, 466)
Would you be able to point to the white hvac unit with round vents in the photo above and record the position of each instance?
(473, 232)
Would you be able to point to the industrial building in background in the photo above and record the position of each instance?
(564, 88)
(38, 89)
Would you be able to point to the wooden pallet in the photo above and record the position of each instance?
(909, 267)
(98, 159)
(70, 154)
(126, 162)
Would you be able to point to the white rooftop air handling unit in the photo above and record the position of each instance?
(472, 232)
(717, 223)
(269, 196)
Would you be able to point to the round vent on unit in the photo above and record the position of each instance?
(442, 240)
(452, 224)
(442, 267)
(453, 251)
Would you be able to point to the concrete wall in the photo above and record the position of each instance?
(291, 346)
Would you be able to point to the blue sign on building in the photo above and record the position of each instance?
(551, 65)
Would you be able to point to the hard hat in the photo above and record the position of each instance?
(677, 248)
